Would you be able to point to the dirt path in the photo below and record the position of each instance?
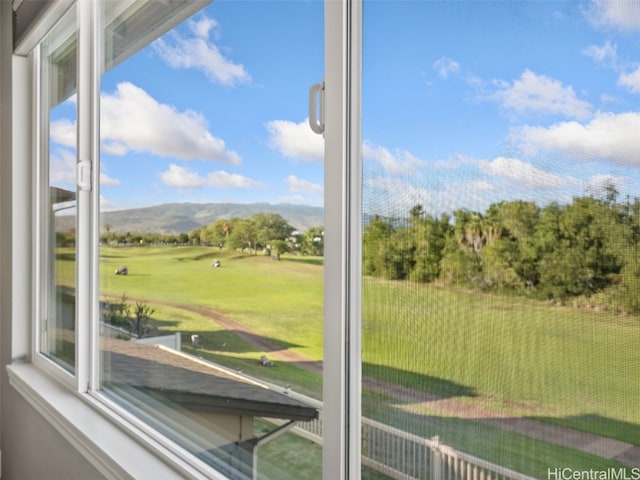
(416, 401)
(256, 340)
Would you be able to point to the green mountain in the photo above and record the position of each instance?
(184, 217)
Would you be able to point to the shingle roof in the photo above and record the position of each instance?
(196, 385)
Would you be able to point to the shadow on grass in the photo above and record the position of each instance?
(310, 261)
(598, 425)
(408, 382)
(236, 341)
(244, 255)
(133, 275)
(203, 256)
(161, 324)
(295, 375)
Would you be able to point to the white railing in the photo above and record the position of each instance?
(403, 456)
(108, 330)
(453, 465)
(397, 454)
(172, 341)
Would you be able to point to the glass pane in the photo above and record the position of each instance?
(500, 193)
(211, 234)
(58, 53)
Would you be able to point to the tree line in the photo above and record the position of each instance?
(588, 248)
(137, 238)
(262, 232)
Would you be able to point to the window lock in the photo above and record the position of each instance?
(84, 175)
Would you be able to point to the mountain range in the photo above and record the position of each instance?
(173, 218)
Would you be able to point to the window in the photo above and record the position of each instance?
(57, 212)
(477, 308)
(139, 308)
(499, 232)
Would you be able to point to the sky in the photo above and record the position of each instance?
(464, 103)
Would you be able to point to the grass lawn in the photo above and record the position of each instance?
(571, 367)
(252, 289)
(288, 457)
(567, 366)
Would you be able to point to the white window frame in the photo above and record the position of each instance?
(342, 260)
(126, 447)
(40, 252)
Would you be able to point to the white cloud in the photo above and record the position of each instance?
(203, 26)
(599, 183)
(523, 173)
(199, 53)
(473, 194)
(63, 167)
(631, 80)
(452, 162)
(445, 66)
(606, 99)
(107, 180)
(105, 204)
(623, 15)
(296, 140)
(298, 185)
(607, 52)
(131, 120)
(611, 137)
(63, 132)
(178, 176)
(298, 200)
(539, 93)
(392, 197)
(401, 162)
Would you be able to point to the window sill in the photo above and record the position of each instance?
(114, 447)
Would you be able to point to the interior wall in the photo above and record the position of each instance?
(29, 11)
(5, 195)
(33, 449)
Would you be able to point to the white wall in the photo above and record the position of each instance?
(5, 192)
(33, 449)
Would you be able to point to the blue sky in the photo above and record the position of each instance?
(465, 103)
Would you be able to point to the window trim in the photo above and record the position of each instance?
(41, 26)
(121, 449)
